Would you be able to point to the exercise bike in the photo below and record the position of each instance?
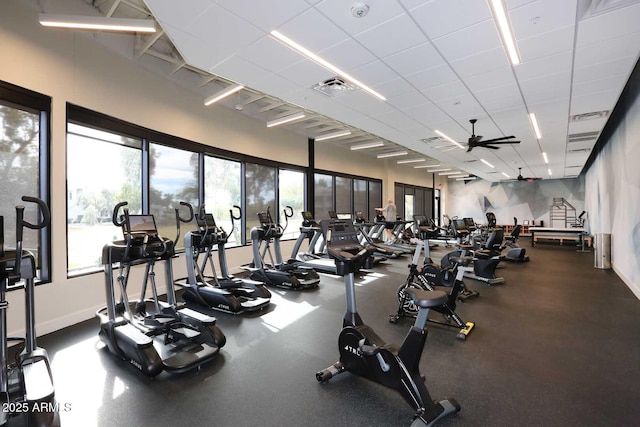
(26, 386)
(427, 279)
(363, 352)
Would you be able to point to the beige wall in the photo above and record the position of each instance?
(71, 67)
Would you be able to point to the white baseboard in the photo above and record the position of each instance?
(633, 286)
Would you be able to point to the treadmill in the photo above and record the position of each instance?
(310, 230)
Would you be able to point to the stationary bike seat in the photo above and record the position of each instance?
(462, 260)
(426, 299)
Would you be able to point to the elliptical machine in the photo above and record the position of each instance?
(220, 293)
(363, 352)
(288, 275)
(427, 279)
(26, 387)
(150, 334)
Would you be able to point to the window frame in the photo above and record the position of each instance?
(27, 100)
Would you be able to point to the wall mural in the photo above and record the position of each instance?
(613, 196)
(524, 200)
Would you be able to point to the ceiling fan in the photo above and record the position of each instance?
(522, 178)
(476, 140)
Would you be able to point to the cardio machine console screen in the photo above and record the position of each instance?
(265, 219)
(142, 224)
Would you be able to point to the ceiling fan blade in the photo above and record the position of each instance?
(501, 142)
(474, 139)
(500, 139)
(490, 147)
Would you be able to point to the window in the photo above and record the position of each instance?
(222, 190)
(260, 193)
(95, 187)
(173, 179)
(291, 193)
(323, 196)
(24, 145)
(375, 198)
(343, 195)
(360, 196)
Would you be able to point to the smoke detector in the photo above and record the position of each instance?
(360, 10)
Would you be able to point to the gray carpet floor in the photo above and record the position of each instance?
(558, 344)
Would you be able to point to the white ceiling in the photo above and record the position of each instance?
(439, 63)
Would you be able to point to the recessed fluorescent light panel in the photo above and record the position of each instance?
(426, 166)
(285, 119)
(223, 94)
(332, 135)
(500, 15)
(544, 156)
(98, 23)
(366, 145)
(469, 178)
(506, 175)
(534, 123)
(318, 60)
(487, 163)
(549, 170)
(453, 141)
(392, 154)
(449, 173)
(401, 162)
(439, 170)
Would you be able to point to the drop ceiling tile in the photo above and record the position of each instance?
(275, 84)
(265, 15)
(313, 30)
(432, 77)
(393, 36)
(306, 73)
(420, 57)
(339, 11)
(559, 83)
(462, 107)
(193, 50)
(482, 62)
(363, 102)
(239, 70)
(407, 100)
(501, 95)
(448, 90)
(181, 17)
(542, 16)
(514, 4)
(609, 26)
(411, 4)
(347, 55)
(608, 50)
(559, 62)
(612, 84)
(498, 77)
(216, 24)
(270, 54)
(445, 17)
(546, 44)
(619, 66)
(373, 73)
(468, 41)
(592, 103)
(394, 87)
(396, 119)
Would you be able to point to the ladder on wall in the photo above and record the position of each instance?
(562, 213)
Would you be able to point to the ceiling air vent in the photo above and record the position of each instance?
(333, 87)
(589, 116)
(583, 136)
(579, 150)
(432, 139)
